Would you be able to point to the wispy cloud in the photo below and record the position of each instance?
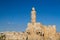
(11, 23)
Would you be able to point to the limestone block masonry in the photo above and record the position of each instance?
(34, 31)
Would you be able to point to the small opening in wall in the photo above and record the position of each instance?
(43, 34)
(28, 33)
(38, 33)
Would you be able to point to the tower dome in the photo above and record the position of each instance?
(33, 9)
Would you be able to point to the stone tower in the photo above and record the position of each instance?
(34, 28)
(37, 31)
(33, 15)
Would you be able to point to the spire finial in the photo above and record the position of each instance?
(33, 9)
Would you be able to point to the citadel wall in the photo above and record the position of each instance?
(34, 31)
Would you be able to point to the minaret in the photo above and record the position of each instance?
(33, 15)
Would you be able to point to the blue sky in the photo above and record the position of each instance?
(15, 14)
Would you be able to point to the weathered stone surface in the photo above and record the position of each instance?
(34, 31)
